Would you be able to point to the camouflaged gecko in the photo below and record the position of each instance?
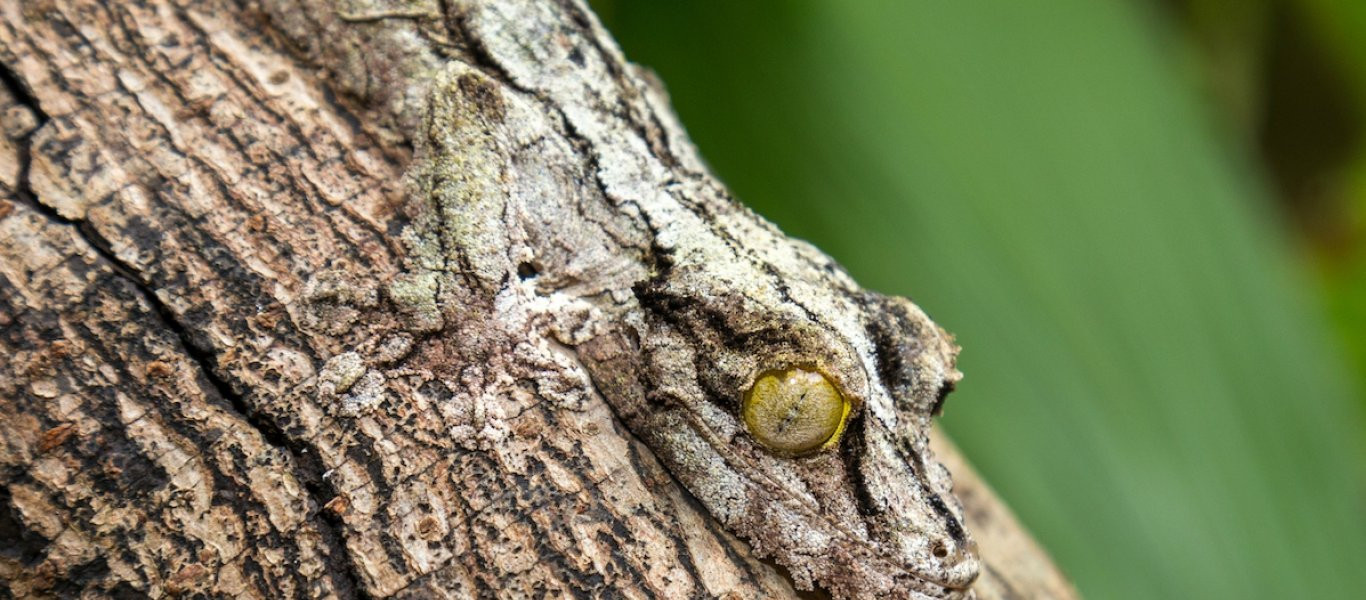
(559, 195)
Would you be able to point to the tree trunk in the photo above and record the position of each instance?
(225, 370)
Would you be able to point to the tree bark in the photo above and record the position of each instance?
(220, 374)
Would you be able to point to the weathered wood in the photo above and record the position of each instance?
(225, 369)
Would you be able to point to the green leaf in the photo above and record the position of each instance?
(1147, 384)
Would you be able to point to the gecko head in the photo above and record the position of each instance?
(796, 407)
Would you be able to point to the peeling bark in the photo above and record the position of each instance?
(245, 352)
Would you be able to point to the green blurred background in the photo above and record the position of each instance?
(1144, 220)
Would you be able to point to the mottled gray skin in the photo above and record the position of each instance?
(604, 248)
(873, 515)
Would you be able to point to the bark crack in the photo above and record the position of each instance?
(343, 571)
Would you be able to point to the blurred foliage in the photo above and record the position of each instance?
(1288, 79)
(1151, 383)
(1338, 27)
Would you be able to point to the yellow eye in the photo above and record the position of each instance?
(794, 411)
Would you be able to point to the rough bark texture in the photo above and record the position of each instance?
(246, 352)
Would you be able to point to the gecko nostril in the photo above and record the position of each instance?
(939, 550)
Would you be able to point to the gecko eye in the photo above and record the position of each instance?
(794, 411)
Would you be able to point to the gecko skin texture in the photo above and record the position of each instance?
(554, 193)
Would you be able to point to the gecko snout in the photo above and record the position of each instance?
(957, 562)
(938, 556)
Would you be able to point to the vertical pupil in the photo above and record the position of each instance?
(793, 410)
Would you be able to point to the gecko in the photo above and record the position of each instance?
(558, 193)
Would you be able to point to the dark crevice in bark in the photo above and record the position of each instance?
(342, 568)
(343, 572)
(24, 150)
(23, 96)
